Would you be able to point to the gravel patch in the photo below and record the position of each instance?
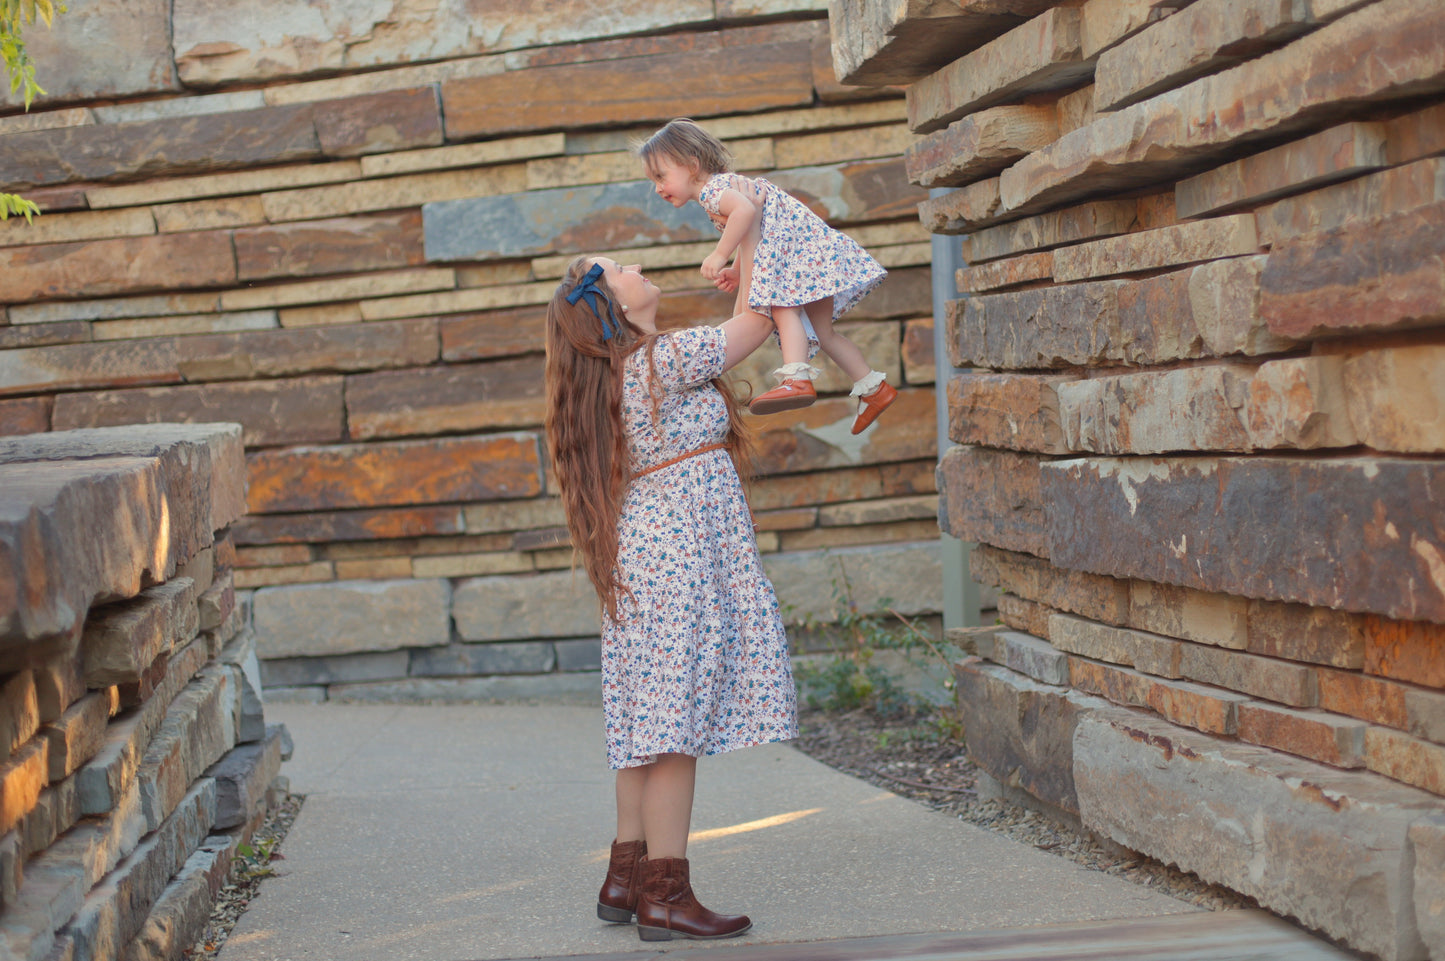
(917, 758)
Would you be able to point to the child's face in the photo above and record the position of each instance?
(675, 183)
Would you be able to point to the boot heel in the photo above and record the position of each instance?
(653, 934)
(615, 915)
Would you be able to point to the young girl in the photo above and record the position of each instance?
(642, 436)
(791, 265)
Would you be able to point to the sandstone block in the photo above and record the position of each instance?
(1103, 25)
(1405, 650)
(1300, 403)
(27, 415)
(1022, 732)
(547, 605)
(1186, 409)
(1030, 617)
(96, 845)
(218, 214)
(1031, 657)
(196, 731)
(1402, 757)
(77, 735)
(350, 617)
(468, 397)
(1354, 202)
(289, 352)
(1216, 619)
(923, 506)
(19, 711)
(122, 640)
(183, 908)
(1323, 513)
(962, 210)
(1040, 55)
(410, 190)
(1121, 685)
(1232, 235)
(1316, 735)
(1378, 275)
(242, 777)
(1157, 321)
(1316, 635)
(1010, 272)
(68, 228)
(240, 654)
(409, 472)
(1395, 397)
(1149, 653)
(525, 657)
(583, 655)
(1101, 218)
(903, 576)
(345, 526)
(465, 155)
(58, 681)
(1334, 154)
(1196, 706)
(1415, 135)
(636, 90)
(1427, 835)
(195, 144)
(1266, 677)
(99, 268)
(1328, 847)
(22, 778)
(493, 333)
(1014, 411)
(916, 354)
(1031, 578)
(334, 669)
(979, 145)
(216, 605)
(379, 122)
(1193, 42)
(1068, 325)
(993, 497)
(333, 246)
(94, 65)
(1393, 53)
(1224, 304)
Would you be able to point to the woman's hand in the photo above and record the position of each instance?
(713, 265)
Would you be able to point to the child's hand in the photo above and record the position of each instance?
(713, 266)
(727, 279)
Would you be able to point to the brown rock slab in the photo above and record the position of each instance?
(1121, 685)
(339, 245)
(1013, 411)
(960, 211)
(1197, 40)
(1316, 635)
(1158, 321)
(273, 353)
(993, 497)
(980, 145)
(99, 268)
(1041, 55)
(1229, 236)
(1317, 735)
(1334, 154)
(305, 410)
(1270, 678)
(1101, 218)
(379, 122)
(1326, 846)
(1035, 579)
(199, 144)
(1196, 706)
(1354, 533)
(77, 734)
(1427, 836)
(1186, 409)
(399, 473)
(1009, 272)
(344, 526)
(1353, 202)
(1216, 619)
(1405, 650)
(22, 778)
(25, 415)
(1379, 275)
(638, 90)
(1224, 306)
(466, 397)
(916, 353)
(122, 640)
(95, 67)
(1300, 403)
(1395, 397)
(1042, 328)
(1388, 51)
(1397, 755)
(493, 333)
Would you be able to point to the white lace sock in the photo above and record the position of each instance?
(799, 370)
(869, 383)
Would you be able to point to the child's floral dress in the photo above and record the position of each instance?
(697, 662)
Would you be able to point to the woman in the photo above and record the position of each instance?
(644, 439)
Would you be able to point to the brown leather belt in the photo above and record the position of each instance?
(679, 459)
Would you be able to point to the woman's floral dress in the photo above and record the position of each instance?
(799, 258)
(697, 662)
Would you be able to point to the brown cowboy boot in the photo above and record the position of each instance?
(618, 898)
(666, 907)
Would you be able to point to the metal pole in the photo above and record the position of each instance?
(960, 593)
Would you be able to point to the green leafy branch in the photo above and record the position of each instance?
(15, 15)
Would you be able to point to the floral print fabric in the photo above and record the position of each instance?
(697, 662)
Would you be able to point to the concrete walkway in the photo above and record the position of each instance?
(462, 833)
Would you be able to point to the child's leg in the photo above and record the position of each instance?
(792, 338)
(842, 350)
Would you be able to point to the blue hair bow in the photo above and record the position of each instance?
(587, 287)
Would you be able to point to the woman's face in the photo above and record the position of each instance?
(634, 292)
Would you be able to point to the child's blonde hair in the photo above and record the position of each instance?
(684, 143)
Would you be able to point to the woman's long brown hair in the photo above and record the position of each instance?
(585, 438)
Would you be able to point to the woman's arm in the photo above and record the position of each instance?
(745, 332)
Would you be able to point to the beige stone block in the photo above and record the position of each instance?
(323, 315)
(904, 255)
(1355, 201)
(963, 210)
(573, 171)
(1009, 272)
(1402, 757)
(220, 185)
(1041, 55)
(840, 146)
(22, 778)
(490, 275)
(350, 288)
(1335, 154)
(1105, 23)
(65, 228)
(1098, 642)
(561, 559)
(1187, 409)
(807, 120)
(790, 519)
(1395, 397)
(1204, 37)
(518, 515)
(411, 190)
(882, 235)
(350, 617)
(649, 258)
(273, 555)
(1300, 402)
(1099, 219)
(470, 565)
(409, 547)
(111, 308)
(1218, 619)
(210, 214)
(380, 81)
(46, 120)
(1185, 243)
(487, 152)
(184, 324)
(979, 145)
(1224, 301)
(314, 572)
(459, 301)
(1318, 635)
(878, 512)
(1075, 110)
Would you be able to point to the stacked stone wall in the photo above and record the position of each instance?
(344, 240)
(134, 754)
(1196, 411)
